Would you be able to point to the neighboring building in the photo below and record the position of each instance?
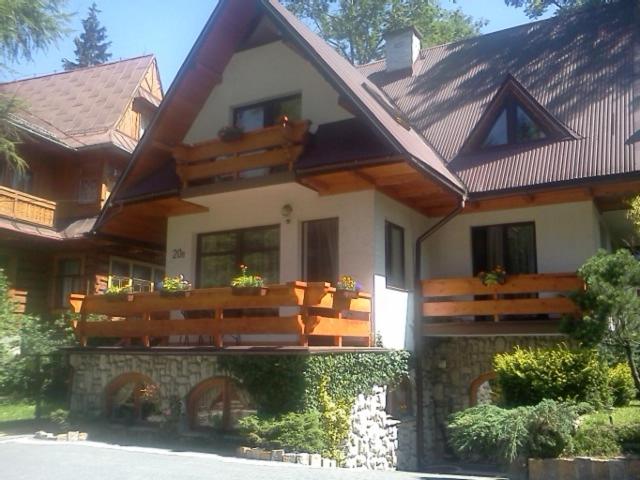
(515, 149)
(77, 132)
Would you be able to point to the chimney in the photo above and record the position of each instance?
(402, 48)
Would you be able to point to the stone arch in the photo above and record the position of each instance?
(222, 394)
(476, 384)
(138, 384)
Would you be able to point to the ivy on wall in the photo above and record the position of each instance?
(288, 383)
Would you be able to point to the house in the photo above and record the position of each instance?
(413, 174)
(77, 131)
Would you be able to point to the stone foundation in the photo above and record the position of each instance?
(176, 375)
(373, 434)
(451, 365)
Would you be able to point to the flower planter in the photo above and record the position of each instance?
(119, 297)
(347, 294)
(174, 293)
(249, 291)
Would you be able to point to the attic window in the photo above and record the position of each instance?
(513, 125)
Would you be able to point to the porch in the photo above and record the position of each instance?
(523, 305)
(22, 206)
(291, 314)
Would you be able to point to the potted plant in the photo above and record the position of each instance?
(175, 287)
(497, 276)
(230, 133)
(247, 284)
(117, 293)
(348, 287)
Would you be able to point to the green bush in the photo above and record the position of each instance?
(621, 384)
(595, 441)
(528, 376)
(294, 432)
(488, 432)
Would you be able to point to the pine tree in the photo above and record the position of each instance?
(91, 46)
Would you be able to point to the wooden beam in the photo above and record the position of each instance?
(478, 329)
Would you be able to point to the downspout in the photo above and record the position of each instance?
(417, 329)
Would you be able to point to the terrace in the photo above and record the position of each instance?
(25, 207)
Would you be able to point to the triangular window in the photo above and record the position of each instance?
(513, 124)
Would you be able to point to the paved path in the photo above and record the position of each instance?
(23, 458)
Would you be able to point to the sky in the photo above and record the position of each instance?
(168, 29)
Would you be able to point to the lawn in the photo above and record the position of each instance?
(618, 416)
(20, 416)
(14, 411)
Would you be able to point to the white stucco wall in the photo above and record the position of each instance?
(566, 235)
(269, 71)
(262, 206)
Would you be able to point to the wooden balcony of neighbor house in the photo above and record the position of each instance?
(27, 208)
(296, 313)
(253, 153)
(523, 305)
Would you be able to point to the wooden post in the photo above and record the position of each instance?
(146, 339)
(83, 325)
(217, 332)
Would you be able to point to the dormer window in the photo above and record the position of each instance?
(266, 114)
(515, 118)
(513, 125)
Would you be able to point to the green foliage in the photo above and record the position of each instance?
(91, 45)
(528, 376)
(536, 8)
(595, 441)
(610, 306)
(621, 384)
(283, 383)
(334, 418)
(247, 280)
(488, 432)
(294, 432)
(117, 290)
(60, 418)
(175, 284)
(355, 29)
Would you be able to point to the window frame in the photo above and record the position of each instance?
(88, 201)
(154, 268)
(56, 290)
(505, 226)
(238, 252)
(389, 227)
(510, 106)
(267, 106)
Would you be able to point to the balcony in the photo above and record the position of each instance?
(27, 208)
(255, 153)
(523, 305)
(296, 313)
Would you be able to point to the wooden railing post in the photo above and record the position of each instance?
(146, 339)
(218, 340)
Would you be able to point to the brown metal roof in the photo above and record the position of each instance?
(580, 68)
(80, 108)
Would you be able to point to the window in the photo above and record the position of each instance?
(137, 275)
(266, 114)
(512, 246)
(220, 255)
(88, 191)
(21, 181)
(513, 125)
(320, 250)
(145, 121)
(68, 280)
(394, 256)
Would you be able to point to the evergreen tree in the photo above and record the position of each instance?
(91, 45)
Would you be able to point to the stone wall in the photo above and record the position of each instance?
(450, 367)
(176, 375)
(373, 434)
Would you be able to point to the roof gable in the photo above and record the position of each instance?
(229, 26)
(82, 108)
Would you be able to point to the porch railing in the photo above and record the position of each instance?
(523, 304)
(29, 208)
(264, 148)
(311, 312)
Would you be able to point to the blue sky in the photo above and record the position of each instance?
(168, 28)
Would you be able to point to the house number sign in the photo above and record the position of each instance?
(178, 253)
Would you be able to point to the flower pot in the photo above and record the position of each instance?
(342, 298)
(119, 297)
(174, 293)
(230, 134)
(249, 291)
(347, 294)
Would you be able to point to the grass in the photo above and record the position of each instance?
(15, 411)
(618, 416)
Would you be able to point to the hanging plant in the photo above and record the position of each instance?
(230, 133)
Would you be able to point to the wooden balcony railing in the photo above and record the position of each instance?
(276, 146)
(25, 207)
(19, 298)
(319, 316)
(524, 304)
